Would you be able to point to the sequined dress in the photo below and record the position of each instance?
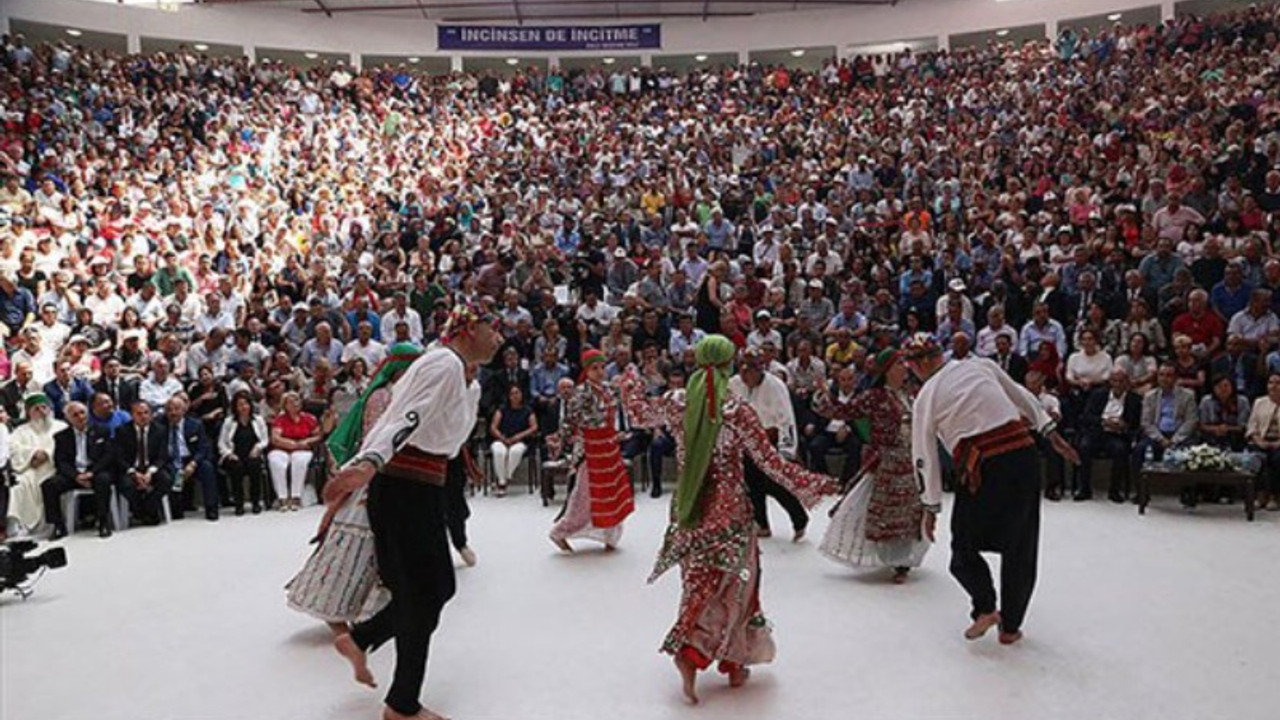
(878, 522)
(339, 582)
(719, 557)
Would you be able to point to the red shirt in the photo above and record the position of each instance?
(1202, 330)
(303, 428)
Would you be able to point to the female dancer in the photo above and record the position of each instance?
(601, 496)
(712, 535)
(878, 523)
(337, 582)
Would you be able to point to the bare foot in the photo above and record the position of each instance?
(339, 629)
(348, 649)
(981, 625)
(468, 556)
(688, 676)
(738, 676)
(798, 536)
(562, 544)
(1009, 638)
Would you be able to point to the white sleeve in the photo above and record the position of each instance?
(1028, 405)
(924, 448)
(421, 393)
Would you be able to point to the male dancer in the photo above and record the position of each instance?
(404, 455)
(981, 416)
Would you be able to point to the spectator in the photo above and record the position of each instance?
(294, 434)
(513, 424)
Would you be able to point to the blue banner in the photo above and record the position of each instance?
(549, 37)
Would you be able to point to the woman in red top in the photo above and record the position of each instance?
(293, 434)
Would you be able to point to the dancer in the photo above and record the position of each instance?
(878, 523)
(338, 582)
(404, 455)
(461, 468)
(768, 396)
(601, 496)
(712, 535)
(981, 415)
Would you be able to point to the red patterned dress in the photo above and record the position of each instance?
(719, 558)
(601, 497)
(878, 523)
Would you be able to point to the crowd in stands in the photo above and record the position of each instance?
(229, 248)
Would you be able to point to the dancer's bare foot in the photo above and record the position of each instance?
(423, 714)
(798, 536)
(1009, 638)
(348, 649)
(468, 556)
(338, 629)
(981, 625)
(689, 677)
(562, 544)
(738, 676)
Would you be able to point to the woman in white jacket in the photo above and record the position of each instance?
(242, 443)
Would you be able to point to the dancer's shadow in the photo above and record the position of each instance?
(314, 636)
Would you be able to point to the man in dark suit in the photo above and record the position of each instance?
(500, 381)
(14, 394)
(122, 390)
(190, 456)
(83, 459)
(1242, 366)
(1110, 418)
(65, 388)
(1011, 362)
(1135, 288)
(1076, 307)
(143, 472)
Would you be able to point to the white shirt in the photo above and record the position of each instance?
(963, 400)
(372, 353)
(431, 409)
(772, 402)
(411, 318)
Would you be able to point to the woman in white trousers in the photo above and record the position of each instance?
(293, 434)
(512, 424)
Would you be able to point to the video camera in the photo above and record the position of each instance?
(17, 565)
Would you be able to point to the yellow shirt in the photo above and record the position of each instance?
(653, 202)
(841, 357)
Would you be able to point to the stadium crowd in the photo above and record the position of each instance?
(202, 260)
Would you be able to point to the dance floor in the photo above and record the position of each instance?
(1165, 616)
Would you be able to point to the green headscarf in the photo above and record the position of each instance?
(703, 416)
(345, 440)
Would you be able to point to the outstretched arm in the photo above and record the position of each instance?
(808, 487)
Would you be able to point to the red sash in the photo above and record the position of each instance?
(971, 451)
(610, 485)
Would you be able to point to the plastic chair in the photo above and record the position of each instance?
(71, 507)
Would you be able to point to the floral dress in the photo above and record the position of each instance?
(878, 523)
(719, 558)
(339, 582)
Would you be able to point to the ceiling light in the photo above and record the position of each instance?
(1001, 33)
(201, 47)
(310, 56)
(74, 32)
(798, 52)
(415, 60)
(608, 61)
(1115, 16)
(513, 61)
(700, 58)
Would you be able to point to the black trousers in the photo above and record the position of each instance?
(146, 504)
(824, 442)
(760, 486)
(53, 489)
(408, 522)
(184, 490)
(456, 511)
(1003, 517)
(238, 473)
(1102, 444)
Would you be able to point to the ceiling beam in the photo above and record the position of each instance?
(324, 9)
(522, 5)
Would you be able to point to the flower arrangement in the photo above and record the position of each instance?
(1206, 458)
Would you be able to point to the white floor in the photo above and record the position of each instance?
(1168, 616)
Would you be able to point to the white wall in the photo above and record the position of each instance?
(252, 26)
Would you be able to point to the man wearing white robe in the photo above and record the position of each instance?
(31, 450)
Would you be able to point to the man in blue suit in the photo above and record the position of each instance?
(65, 388)
(190, 457)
